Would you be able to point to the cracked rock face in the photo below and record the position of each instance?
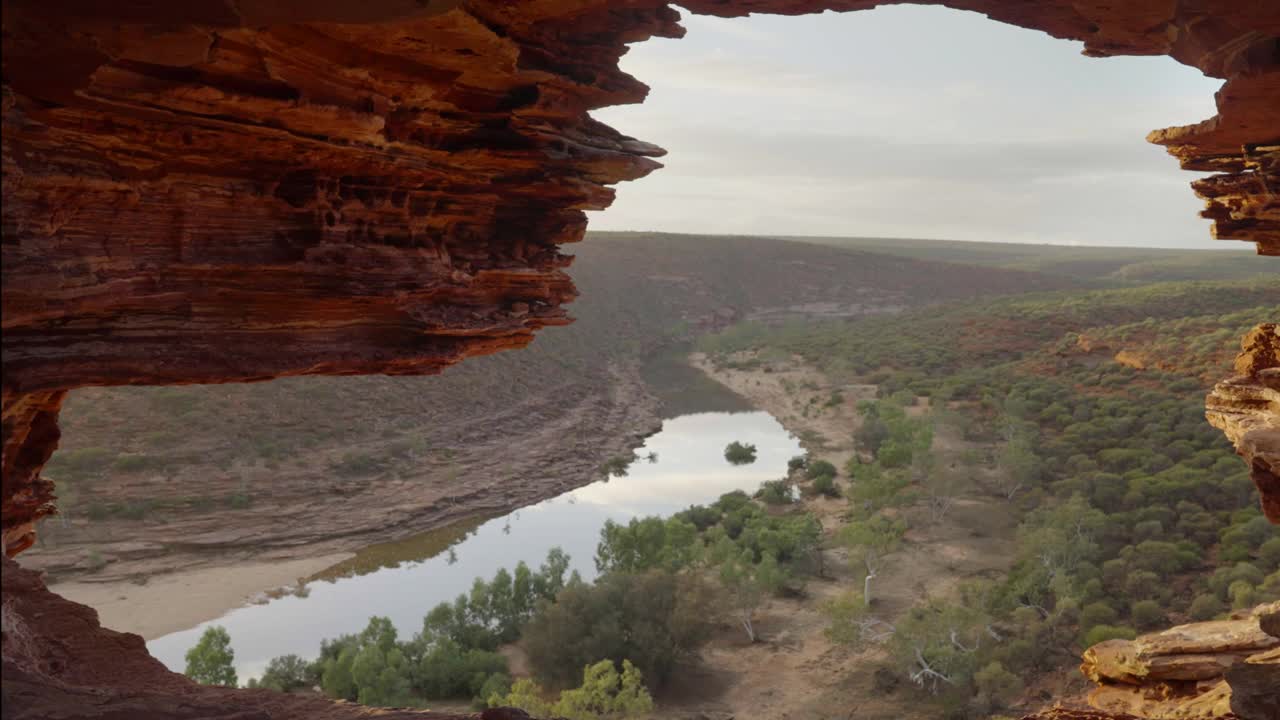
(1247, 410)
(1215, 669)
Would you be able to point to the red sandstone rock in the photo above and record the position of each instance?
(214, 192)
(1217, 669)
(208, 191)
(1247, 410)
(59, 662)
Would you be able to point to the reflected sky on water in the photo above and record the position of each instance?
(418, 573)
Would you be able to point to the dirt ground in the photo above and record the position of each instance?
(795, 671)
(179, 600)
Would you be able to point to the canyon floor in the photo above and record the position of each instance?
(796, 671)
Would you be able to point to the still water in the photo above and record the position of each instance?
(404, 580)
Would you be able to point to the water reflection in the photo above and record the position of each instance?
(405, 579)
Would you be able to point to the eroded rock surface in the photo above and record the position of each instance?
(58, 662)
(1247, 410)
(221, 192)
(1217, 669)
(213, 191)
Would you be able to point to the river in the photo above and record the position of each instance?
(682, 464)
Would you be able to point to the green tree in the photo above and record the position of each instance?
(1205, 607)
(938, 645)
(819, 468)
(869, 542)
(336, 657)
(526, 695)
(875, 488)
(825, 485)
(1147, 614)
(748, 581)
(1101, 633)
(604, 694)
(740, 453)
(212, 660)
(382, 676)
(852, 622)
(775, 492)
(873, 431)
(645, 543)
(1020, 466)
(653, 618)
(996, 686)
(286, 674)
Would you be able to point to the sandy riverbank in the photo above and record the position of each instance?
(179, 600)
(184, 566)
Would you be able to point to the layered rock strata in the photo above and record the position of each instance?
(58, 662)
(1247, 410)
(214, 191)
(1216, 669)
(227, 192)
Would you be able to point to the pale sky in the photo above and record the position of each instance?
(908, 122)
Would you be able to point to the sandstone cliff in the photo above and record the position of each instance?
(1247, 410)
(218, 192)
(210, 191)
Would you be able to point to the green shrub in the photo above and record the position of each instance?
(739, 453)
(1098, 613)
(996, 686)
(1101, 633)
(818, 468)
(1242, 594)
(616, 466)
(497, 685)
(286, 674)
(654, 618)
(1147, 614)
(212, 660)
(826, 485)
(1206, 606)
(1269, 554)
(774, 492)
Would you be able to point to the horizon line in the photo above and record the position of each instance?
(779, 236)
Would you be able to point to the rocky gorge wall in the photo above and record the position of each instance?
(222, 192)
(212, 191)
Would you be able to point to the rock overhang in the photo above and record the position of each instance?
(212, 191)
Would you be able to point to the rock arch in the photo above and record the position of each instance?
(212, 191)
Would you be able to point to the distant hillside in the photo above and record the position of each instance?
(1104, 264)
(135, 458)
(638, 294)
(1186, 329)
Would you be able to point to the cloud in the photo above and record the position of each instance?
(907, 122)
